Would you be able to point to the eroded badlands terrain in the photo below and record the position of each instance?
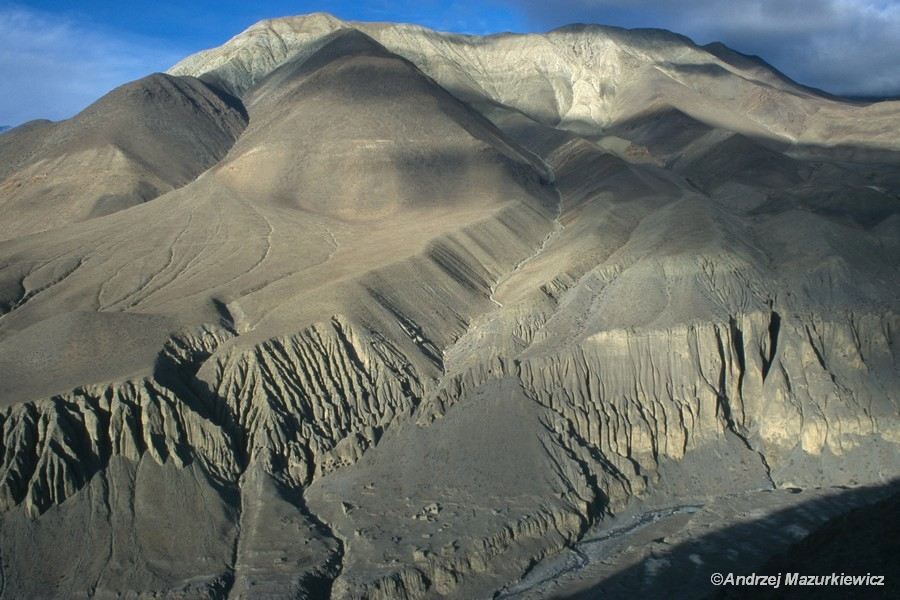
(360, 310)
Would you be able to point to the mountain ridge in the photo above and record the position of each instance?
(429, 316)
(186, 127)
(589, 47)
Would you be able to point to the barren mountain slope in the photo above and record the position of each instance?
(581, 77)
(137, 142)
(320, 268)
(417, 335)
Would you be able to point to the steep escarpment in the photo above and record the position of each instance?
(52, 448)
(312, 402)
(669, 391)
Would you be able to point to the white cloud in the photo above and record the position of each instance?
(52, 67)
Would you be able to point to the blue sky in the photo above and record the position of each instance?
(58, 56)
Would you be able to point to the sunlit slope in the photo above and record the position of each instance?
(580, 77)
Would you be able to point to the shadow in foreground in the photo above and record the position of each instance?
(862, 538)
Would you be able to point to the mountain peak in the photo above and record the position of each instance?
(592, 81)
(348, 42)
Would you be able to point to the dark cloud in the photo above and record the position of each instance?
(843, 46)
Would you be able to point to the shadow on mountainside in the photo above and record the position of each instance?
(854, 532)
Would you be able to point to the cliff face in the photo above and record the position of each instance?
(446, 305)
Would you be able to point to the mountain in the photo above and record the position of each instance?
(137, 142)
(363, 310)
(580, 76)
